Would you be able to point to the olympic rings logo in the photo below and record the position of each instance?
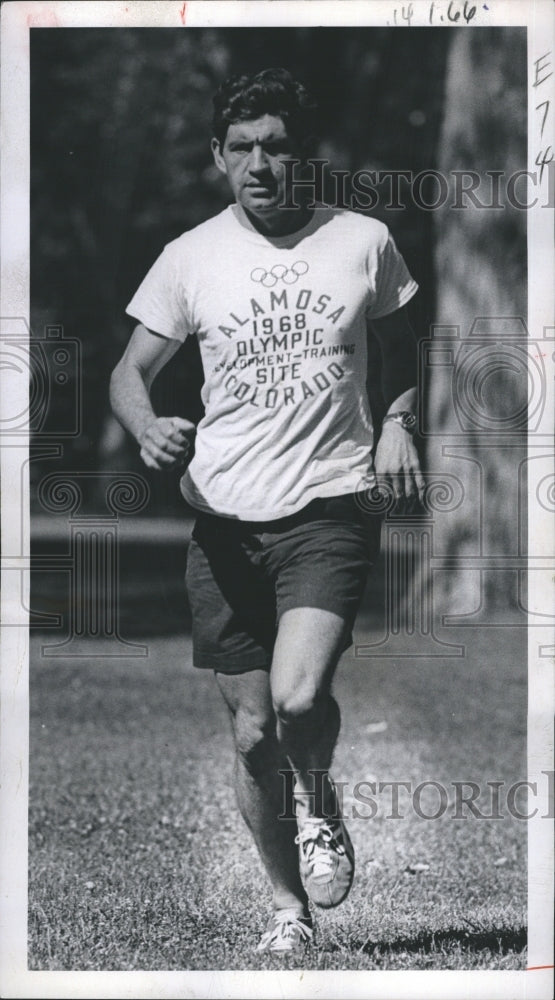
(279, 272)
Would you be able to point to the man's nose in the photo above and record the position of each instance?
(258, 162)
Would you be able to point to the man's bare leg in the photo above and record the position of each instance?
(259, 786)
(306, 652)
(308, 646)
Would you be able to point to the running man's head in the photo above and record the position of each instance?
(259, 121)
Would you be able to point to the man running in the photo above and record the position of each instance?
(282, 297)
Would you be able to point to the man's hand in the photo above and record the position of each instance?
(166, 442)
(397, 465)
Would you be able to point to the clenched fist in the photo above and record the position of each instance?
(166, 442)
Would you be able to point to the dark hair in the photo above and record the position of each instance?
(270, 92)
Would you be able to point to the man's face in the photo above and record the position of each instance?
(252, 159)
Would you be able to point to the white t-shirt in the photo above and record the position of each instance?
(281, 324)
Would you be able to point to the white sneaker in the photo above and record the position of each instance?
(288, 931)
(326, 857)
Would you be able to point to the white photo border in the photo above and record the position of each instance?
(16, 981)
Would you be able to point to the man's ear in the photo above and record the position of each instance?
(217, 154)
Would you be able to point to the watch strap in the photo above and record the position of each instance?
(406, 419)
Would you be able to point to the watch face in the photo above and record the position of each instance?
(409, 421)
(404, 418)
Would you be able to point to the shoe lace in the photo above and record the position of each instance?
(319, 843)
(288, 926)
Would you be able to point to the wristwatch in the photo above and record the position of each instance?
(403, 417)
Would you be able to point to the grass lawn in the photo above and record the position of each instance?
(139, 859)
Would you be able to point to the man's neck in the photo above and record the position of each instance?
(282, 222)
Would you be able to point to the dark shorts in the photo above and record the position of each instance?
(242, 576)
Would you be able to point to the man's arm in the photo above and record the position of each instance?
(396, 458)
(164, 441)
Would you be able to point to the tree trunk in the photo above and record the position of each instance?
(476, 411)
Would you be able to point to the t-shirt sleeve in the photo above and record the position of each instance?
(391, 283)
(160, 302)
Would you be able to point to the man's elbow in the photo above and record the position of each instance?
(115, 384)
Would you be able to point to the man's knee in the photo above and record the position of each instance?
(298, 704)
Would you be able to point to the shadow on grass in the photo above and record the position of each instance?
(502, 941)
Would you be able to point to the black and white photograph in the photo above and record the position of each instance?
(277, 346)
